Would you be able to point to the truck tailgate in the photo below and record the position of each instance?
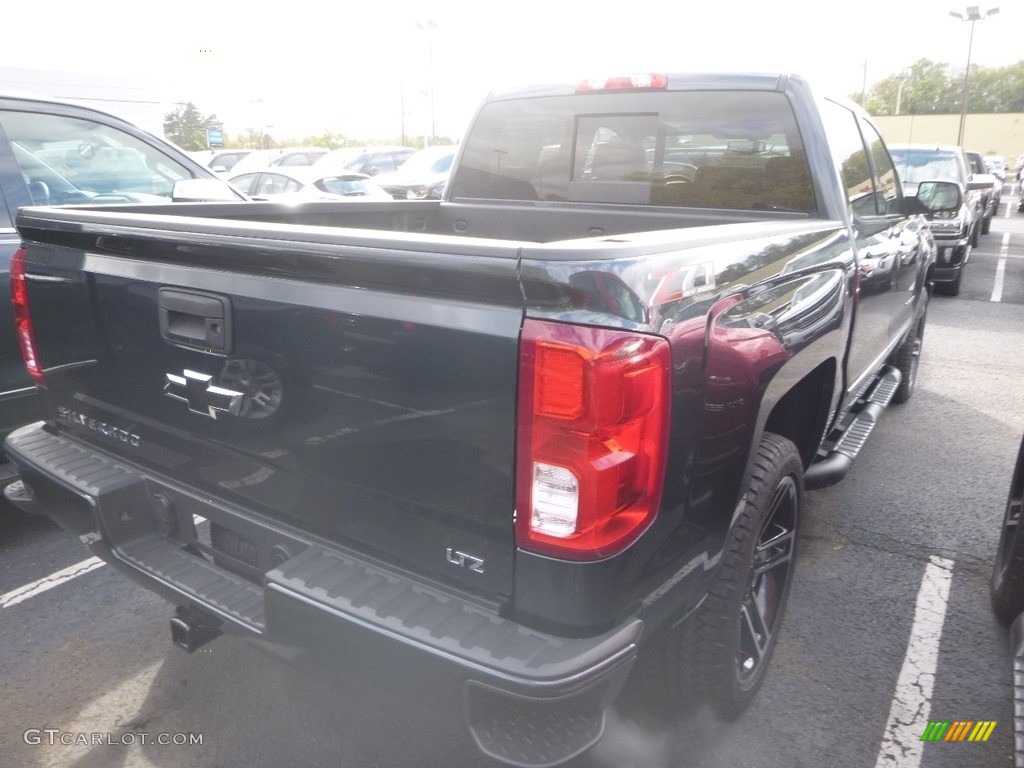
(356, 388)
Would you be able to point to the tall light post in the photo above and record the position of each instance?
(428, 27)
(972, 14)
(902, 77)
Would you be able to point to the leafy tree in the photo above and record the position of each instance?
(926, 90)
(186, 126)
(933, 88)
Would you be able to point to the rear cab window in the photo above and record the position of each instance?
(702, 149)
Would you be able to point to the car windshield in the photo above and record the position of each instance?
(917, 165)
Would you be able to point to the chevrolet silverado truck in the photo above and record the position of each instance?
(59, 153)
(556, 423)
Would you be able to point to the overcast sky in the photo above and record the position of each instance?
(303, 67)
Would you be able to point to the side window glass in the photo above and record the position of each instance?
(244, 182)
(265, 185)
(273, 183)
(67, 160)
(886, 180)
(291, 185)
(848, 150)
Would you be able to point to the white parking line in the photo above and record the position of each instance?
(911, 703)
(997, 289)
(21, 594)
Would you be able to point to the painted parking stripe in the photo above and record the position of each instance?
(1004, 250)
(21, 594)
(911, 703)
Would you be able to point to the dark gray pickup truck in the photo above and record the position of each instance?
(558, 422)
(58, 153)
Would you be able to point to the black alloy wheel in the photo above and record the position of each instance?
(720, 654)
(762, 606)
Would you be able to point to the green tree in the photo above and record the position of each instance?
(933, 88)
(927, 89)
(186, 126)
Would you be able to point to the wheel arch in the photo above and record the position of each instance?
(802, 413)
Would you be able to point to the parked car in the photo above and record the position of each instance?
(996, 166)
(306, 184)
(956, 233)
(57, 153)
(422, 176)
(372, 160)
(220, 160)
(290, 157)
(991, 195)
(1020, 198)
(297, 157)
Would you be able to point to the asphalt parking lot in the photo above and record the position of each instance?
(888, 624)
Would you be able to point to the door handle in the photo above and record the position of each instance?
(195, 320)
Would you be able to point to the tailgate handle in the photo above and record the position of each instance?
(194, 320)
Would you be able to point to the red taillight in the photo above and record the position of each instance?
(627, 83)
(592, 438)
(22, 317)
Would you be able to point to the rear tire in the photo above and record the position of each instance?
(906, 360)
(1007, 589)
(722, 652)
(986, 225)
(952, 288)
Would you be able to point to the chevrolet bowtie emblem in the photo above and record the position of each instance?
(202, 396)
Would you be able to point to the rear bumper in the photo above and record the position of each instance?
(513, 681)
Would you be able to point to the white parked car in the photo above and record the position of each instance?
(304, 183)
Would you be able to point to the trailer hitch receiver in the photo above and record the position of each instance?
(192, 628)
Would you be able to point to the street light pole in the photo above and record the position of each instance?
(428, 27)
(902, 77)
(972, 14)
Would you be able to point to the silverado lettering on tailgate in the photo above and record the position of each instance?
(100, 427)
